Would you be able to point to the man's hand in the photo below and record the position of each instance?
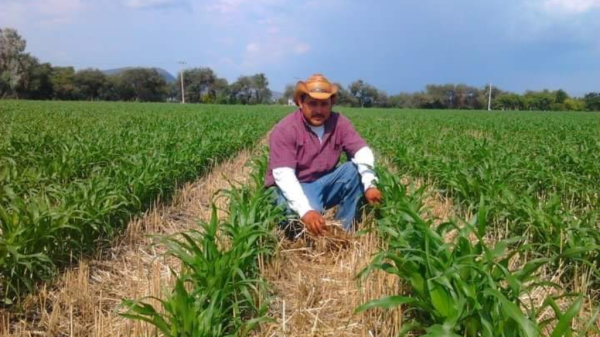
(314, 222)
(373, 196)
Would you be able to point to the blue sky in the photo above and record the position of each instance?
(398, 46)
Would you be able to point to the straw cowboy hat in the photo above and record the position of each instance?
(317, 86)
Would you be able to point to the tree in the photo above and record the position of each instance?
(241, 90)
(142, 84)
(592, 101)
(483, 96)
(540, 100)
(561, 96)
(423, 100)
(33, 79)
(571, 104)
(12, 61)
(260, 86)
(509, 102)
(288, 93)
(466, 97)
(63, 83)
(220, 91)
(36, 83)
(198, 82)
(442, 96)
(111, 89)
(381, 100)
(363, 92)
(90, 82)
(344, 97)
(174, 91)
(402, 100)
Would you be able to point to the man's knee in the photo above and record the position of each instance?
(348, 171)
(350, 175)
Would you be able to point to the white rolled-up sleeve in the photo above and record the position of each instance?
(286, 180)
(365, 162)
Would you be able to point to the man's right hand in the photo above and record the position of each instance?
(314, 222)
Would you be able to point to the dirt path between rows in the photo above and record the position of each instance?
(85, 301)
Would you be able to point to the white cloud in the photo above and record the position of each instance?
(153, 4)
(42, 12)
(57, 7)
(301, 48)
(554, 22)
(265, 22)
(253, 47)
(234, 6)
(273, 29)
(271, 51)
(571, 6)
(227, 40)
(265, 29)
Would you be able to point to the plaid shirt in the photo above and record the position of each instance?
(293, 144)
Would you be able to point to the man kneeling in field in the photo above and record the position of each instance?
(304, 149)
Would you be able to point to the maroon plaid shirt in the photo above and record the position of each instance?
(293, 144)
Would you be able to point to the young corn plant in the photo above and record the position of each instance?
(219, 290)
(463, 287)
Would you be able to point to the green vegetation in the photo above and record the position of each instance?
(219, 290)
(531, 180)
(537, 173)
(461, 284)
(73, 174)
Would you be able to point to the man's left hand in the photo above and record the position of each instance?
(373, 196)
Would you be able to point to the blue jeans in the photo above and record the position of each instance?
(340, 187)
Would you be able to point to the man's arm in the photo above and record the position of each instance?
(286, 180)
(365, 162)
(360, 153)
(282, 160)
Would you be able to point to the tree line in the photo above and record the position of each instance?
(459, 96)
(23, 76)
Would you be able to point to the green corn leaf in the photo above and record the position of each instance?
(385, 303)
(512, 310)
(563, 327)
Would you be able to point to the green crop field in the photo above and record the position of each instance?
(72, 174)
(530, 179)
(536, 174)
(524, 186)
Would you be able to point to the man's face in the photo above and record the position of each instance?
(316, 111)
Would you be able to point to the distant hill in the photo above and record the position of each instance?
(275, 95)
(165, 74)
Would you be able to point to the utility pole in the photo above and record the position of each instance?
(182, 63)
(490, 98)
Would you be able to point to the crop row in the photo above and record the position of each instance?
(219, 290)
(529, 183)
(460, 283)
(536, 173)
(73, 174)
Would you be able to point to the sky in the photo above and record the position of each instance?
(395, 45)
